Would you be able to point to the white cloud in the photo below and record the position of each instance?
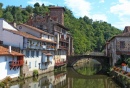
(102, 1)
(121, 8)
(32, 2)
(99, 17)
(80, 8)
(124, 21)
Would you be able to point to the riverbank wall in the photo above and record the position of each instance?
(121, 79)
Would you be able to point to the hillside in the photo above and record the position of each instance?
(88, 35)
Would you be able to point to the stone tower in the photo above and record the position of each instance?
(57, 13)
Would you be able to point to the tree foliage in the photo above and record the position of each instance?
(88, 35)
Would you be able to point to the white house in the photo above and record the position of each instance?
(31, 46)
(10, 62)
(7, 37)
(48, 45)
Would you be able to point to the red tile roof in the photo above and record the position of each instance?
(26, 35)
(36, 29)
(5, 51)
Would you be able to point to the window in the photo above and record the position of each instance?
(48, 59)
(5, 58)
(27, 53)
(122, 44)
(35, 63)
(32, 53)
(29, 64)
(37, 53)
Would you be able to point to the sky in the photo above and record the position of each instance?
(115, 12)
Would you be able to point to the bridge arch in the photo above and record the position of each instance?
(73, 59)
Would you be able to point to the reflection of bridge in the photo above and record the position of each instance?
(72, 73)
(93, 79)
(71, 60)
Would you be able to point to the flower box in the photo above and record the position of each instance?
(125, 68)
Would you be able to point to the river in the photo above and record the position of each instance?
(84, 74)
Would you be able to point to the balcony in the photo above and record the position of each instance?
(60, 63)
(62, 47)
(50, 47)
(17, 63)
(64, 40)
(48, 62)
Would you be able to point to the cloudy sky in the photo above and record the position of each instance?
(115, 12)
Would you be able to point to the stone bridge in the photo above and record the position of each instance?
(71, 60)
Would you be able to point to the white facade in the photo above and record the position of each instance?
(5, 68)
(6, 25)
(9, 38)
(32, 58)
(35, 33)
(12, 39)
(28, 30)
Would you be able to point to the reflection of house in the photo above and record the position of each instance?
(44, 82)
(54, 24)
(118, 45)
(60, 80)
(10, 62)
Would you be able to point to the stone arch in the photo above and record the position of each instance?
(73, 59)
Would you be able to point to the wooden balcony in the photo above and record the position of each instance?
(60, 63)
(49, 47)
(14, 64)
(63, 47)
(64, 40)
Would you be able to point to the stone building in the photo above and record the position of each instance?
(118, 45)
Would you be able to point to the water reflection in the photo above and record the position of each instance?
(67, 79)
(87, 67)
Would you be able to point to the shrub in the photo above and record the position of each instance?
(8, 78)
(35, 72)
(2, 84)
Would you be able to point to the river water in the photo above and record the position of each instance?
(84, 74)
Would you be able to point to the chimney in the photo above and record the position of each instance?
(14, 24)
(9, 49)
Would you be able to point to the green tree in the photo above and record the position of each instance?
(37, 5)
(8, 17)
(1, 10)
(29, 9)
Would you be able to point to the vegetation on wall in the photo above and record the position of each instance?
(88, 35)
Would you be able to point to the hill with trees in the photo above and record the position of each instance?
(88, 35)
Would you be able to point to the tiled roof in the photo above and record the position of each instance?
(60, 25)
(36, 29)
(125, 34)
(53, 7)
(26, 35)
(126, 29)
(5, 51)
